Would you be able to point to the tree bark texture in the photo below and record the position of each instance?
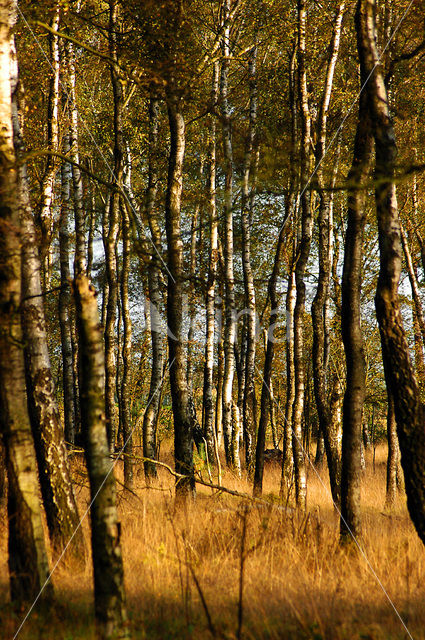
(183, 433)
(393, 456)
(56, 488)
(267, 399)
(287, 458)
(127, 433)
(52, 142)
(28, 566)
(112, 236)
(65, 313)
(399, 371)
(303, 252)
(352, 335)
(77, 180)
(110, 609)
(208, 406)
(150, 417)
(249, 399)
(319, 306)
(230, 324)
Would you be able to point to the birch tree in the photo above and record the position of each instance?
(28, 565)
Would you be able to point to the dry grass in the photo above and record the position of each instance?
(298, 582)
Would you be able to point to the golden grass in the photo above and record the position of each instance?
(298, 582)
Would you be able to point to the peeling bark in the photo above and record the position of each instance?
(56, 488)
(28, 566)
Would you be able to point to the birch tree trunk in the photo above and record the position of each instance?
(393, 456)
(28, 566)
(413, 284)
(191, 289)
(77, 181)
(47, 184)
(303, 253)
(150, 417)
(109, 596)
(230, 324)
(183, 432)
(287, 457)
(56, 488)
(126, 353)
(220, 374)
(399, 370)
(112, 235)
(352, 335)
(266, 388)
(319, 306)
(65, 314)
(77, 195)
(210, 431)
(249, 400)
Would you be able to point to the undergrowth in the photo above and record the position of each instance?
(229, 568)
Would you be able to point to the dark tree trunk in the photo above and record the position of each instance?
(320, 302)
(65, 315)
(266, 398)
(399, 371)
(352, 334)
(127, 432)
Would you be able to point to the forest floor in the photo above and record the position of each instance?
(183, 569)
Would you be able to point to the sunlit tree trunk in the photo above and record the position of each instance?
(109, 596)
(230, 324)
(183, 432)
(47, 184)
(238, 430)
(126, 353)
(220, 375)
(393, 456)
(249, 400)
(91, 228)
(150, 417)
(80, 264)
(303, 252)
(112, 236)
(287, 458)
(208, 406)
(56, 489)
(413, 284)
(196, 221)
(28, 567)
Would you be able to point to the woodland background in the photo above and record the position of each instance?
(199, 217)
